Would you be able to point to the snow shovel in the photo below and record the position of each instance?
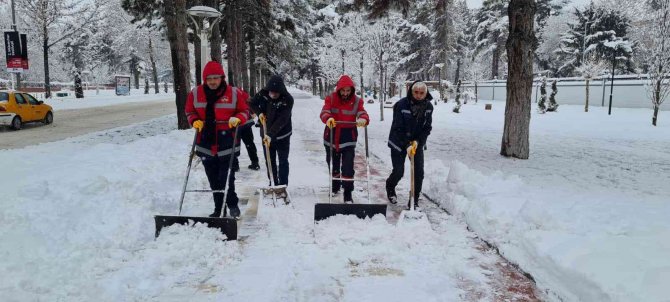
(326, 210)
(227, 225)
(272, 188)
(410, 214)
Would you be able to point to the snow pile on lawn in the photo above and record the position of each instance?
(106, 98)
(585, 215)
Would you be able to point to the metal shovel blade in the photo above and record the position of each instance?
(227, 225)
(362, 211)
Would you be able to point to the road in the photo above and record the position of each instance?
(75, 122)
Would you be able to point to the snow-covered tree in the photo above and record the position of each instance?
(492, 31)
(56, 21)
(457, 108)
(553, 105)
(590, 68)
(599, 30)
(542, 104)
(657, 86)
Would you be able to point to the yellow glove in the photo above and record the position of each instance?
(412, 148)
(198, 125)
(266, 140)
(233, 122)
(331, 123)
(261, 118)
(361, 122)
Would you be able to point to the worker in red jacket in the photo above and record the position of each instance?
(342, 112)
(215, 109)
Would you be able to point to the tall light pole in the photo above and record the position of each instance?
(14, 27)
(204, 32)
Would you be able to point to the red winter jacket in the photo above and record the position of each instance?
(345, 113)
(227, 106)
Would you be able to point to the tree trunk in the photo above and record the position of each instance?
(146, 85)
(135, 70)
(476, 93)
(252, 63)
(244, 68)
(655, 117)
(154, 72)
(458, 70)
(215, 40)
(520, 49)
(494, 63)
(586, 105)
(381, 83)
(362, 86)
(321, 88)
(175, 19)
(45, 50)
(198, 61)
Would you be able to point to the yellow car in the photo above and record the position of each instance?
(17, 108)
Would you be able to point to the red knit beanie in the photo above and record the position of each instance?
(213, 68)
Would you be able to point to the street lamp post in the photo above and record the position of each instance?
(204, 32)
(609, 110)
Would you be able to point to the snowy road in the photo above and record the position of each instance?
(75, 122)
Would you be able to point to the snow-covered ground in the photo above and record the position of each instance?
(104, 98)
(77, 225)
(586, 216)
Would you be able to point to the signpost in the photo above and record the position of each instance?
(122, 85)
(13, 51)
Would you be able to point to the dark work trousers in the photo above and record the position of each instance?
(398, 160)
(246, 134)
(216, 169)
(342, 161)
(279, 149)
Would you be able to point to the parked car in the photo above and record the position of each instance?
(391, 101)
(18, 108)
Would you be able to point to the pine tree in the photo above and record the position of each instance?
(541, 105)
(553, 105)
(599, 30)
(492, 32)
(457, 108)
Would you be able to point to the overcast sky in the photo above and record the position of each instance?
(478, 3)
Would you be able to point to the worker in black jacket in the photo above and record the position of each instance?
(412, 123)
(273, 105)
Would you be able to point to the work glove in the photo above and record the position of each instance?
(331, 123)
(267, 140)
(361, 122)
(411, 150)
(261, 118)
(198, 125)
(233, 122)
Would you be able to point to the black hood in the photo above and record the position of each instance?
(411, 97)
(276, 83)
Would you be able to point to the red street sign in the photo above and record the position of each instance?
(13, 51)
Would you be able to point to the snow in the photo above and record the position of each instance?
(106, 97)
(586, 215)
(82, 229)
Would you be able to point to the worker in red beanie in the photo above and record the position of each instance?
(215, 109)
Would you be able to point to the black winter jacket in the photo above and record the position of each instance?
(277, 112)
(412, 120)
